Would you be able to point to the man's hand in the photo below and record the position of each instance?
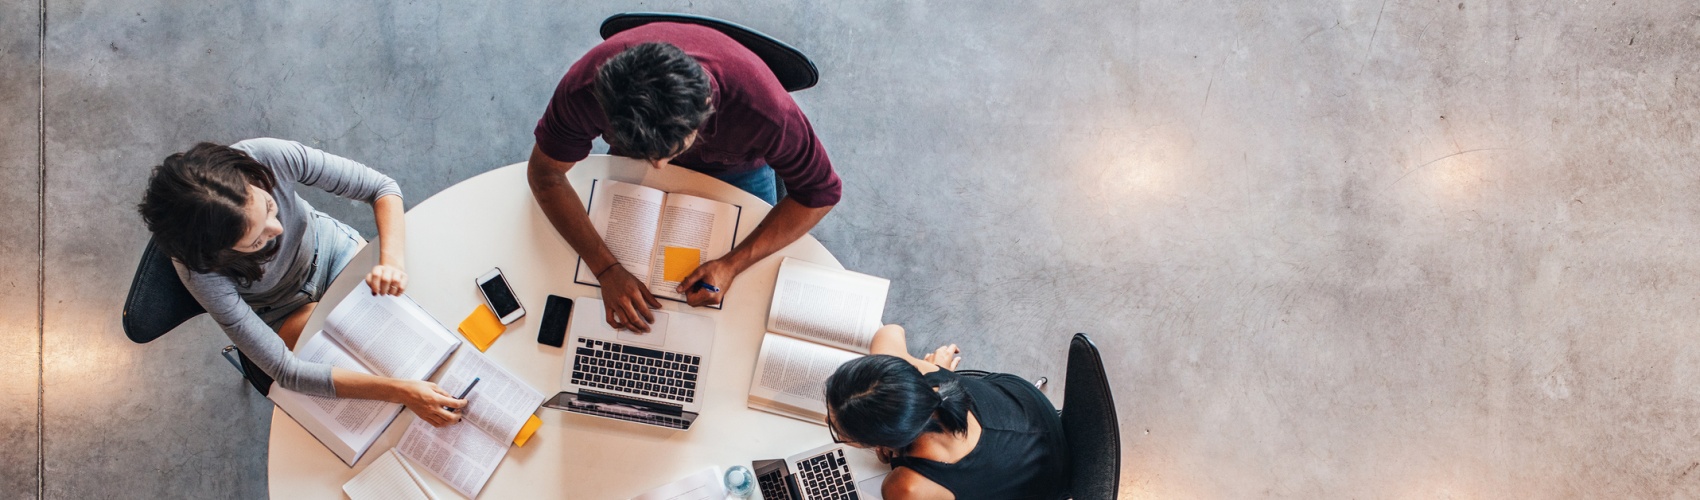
(626, 300)
(718, 272)
(387, 280)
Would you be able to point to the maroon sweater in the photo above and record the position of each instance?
(754, 121)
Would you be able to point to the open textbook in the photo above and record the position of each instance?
(820, 318)
(465, 454)
(659, 237)
(374, 334)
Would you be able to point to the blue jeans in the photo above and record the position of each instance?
(759, 182)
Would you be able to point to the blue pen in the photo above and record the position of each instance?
(703, 285)
(468, 389)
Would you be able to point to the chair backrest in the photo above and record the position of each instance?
(158, 301)
(1089, 423)
(795, 70)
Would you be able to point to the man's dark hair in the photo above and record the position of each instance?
(194, 208)
(654, 96)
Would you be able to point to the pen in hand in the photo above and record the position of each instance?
(703, 285)
(467, 391)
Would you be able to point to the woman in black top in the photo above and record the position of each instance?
(947, 436)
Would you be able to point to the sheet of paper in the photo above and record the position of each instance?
(790, 377)
(689, 222)
(387, 478)
(459, 454)
(500, 404)
(703, 485)
(679, 262)
(627, 217)
(346, 426)
(393, 335)
(833, 306)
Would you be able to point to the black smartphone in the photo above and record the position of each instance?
(556, 312)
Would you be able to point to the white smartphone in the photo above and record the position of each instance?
(499, 296)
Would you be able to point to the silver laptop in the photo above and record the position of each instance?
(648, 378)
(831, 472)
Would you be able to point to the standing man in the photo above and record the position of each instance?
(690, 96)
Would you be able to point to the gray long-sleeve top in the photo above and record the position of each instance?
(224, 299)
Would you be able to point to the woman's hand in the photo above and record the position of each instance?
(387, 280)
(427, 401)
(946, 357)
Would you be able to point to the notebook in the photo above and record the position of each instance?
(465, 454)
(389, 477)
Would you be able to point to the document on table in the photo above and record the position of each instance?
(703, 485)
(465, 454)
(388, 478)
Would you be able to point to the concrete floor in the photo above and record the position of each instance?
(1356, 249)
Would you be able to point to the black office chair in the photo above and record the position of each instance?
(1089, 424)
(795, 70)
(158, 303)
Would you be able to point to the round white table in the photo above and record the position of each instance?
(492, 221)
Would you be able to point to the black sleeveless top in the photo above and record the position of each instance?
(1021, 453)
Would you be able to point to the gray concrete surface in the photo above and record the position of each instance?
(1361, 249)
(20, 246)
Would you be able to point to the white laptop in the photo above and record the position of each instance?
(831, 472)
(650, 378)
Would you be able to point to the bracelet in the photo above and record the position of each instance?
(598, 274)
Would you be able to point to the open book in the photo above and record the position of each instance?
(820, 318)
(466, 453)
(659, 237)
(374, 334)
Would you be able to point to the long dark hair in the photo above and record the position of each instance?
(654, 96)
(884, 401)
(194, 207)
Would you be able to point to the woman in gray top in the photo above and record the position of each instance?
(258, 257)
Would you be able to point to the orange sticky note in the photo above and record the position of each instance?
(679, 262)
(482, 327)
(531, 425)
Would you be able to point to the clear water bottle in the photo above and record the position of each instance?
(740, 482)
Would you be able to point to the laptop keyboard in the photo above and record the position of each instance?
(773, 486)
(826, 477)
(636, 370)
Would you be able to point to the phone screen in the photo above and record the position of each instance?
(501, 297)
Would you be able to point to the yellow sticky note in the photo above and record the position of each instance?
(482, 327)
(680, 261)
(525, 432)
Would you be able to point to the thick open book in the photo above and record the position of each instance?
(374, 334)
(659, 237)
(465, 454)
(820, 318)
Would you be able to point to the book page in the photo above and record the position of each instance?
(501, 402)
(687, 221)
(833, 306)
(390, 334)
(627, 217)
(346, 426)
(459, 454)
(704, 485)
(387, 478)
(790, 377)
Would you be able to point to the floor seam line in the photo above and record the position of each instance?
(41, 256)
